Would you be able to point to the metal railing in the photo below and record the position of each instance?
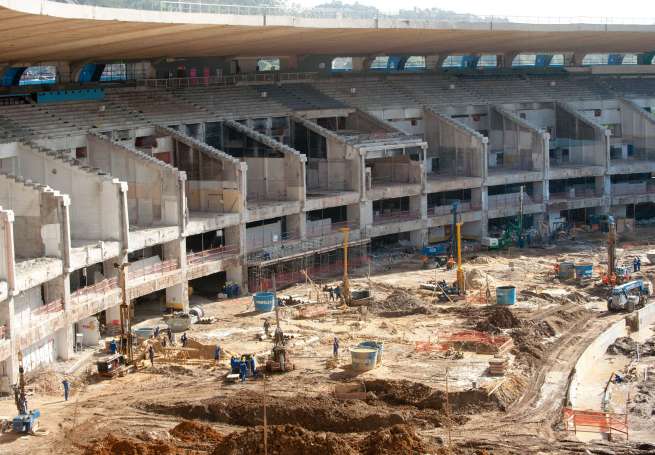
(628, 189)
(509, 200)
(395, 217)
(577, 193)
(102, 287)
(209, 7)
(175, 83)
(156, 269)
(213, 254)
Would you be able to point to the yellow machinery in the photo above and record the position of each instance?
(461, 282)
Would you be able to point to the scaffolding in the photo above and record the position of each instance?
(323, 264)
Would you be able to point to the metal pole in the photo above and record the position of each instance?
(265, 422)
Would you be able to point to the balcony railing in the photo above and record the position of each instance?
(51, 307)
(509, 200)
(395, 217)
(102, 287)
(175, 83)
(156, 269)
(213, 254)
(440, 210)
(577, 193)
(628, 189)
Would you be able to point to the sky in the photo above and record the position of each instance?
(549, 8)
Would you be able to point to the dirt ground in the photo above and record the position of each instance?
(433, 393)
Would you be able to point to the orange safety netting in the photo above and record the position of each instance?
(592, 421)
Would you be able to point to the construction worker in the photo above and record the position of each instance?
(67, 386)
(267, 327)
(331, 292)
(337, 292)
(217, 353)
(156, 332)
(635, 264)
(184, 339)
(243, 370)
(335, 347)
(170, 337)
(151, 355)
(451, 263)
(112, 347)
(638, 264)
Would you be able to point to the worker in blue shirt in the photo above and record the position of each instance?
(67, 386)
(335, 347)
(243, 370)
(635, 265)
(112, 347)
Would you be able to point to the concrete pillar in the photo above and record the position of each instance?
(484, 203)
(65, 341)
(419, 238)
(177, 296)
(432, 62)
(297, 224)
(289, 64)
(353, 214)
(365, 214)
(236, 236)
(506, 60)
(63, 72)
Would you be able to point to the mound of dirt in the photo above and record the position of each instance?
(623, 346)
(313, 413)
(499, 318)
(399, 303)
(111, 445)
(191, 431)
(528, 347)
(403, 392)
(399, 439)
(643, 401)
(283, 440)
(477, 279)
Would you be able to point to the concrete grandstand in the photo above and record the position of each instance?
(159, 143)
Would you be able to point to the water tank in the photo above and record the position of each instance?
(264, 301)
(363, 359)
(377, 345)
(584, 270)
(506, 295)
(566, 270)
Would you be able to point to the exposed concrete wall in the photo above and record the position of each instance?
(459, 149)
(523, 146)
(153, 194)
(96, 197)
(40, 218)
(638, 129)
(586, 140)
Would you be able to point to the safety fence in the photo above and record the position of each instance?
(213, 254)
(595, 422)
(153, 270)
(465, 340)
(88, 292)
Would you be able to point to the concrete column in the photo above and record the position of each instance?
(177, 296)
(432, 62)
(65, 341)
(236, 235)
(484, 202)
(297, 223)
(365, 214)
(353, 214)
(419, 238)
(604, 187)
(64, 72)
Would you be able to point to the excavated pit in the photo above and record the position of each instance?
(311, 413)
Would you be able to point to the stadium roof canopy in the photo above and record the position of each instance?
(44, 31)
